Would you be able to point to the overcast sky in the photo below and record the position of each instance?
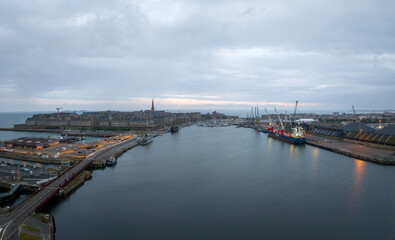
(217, 54)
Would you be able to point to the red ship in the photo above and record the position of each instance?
(298, 134)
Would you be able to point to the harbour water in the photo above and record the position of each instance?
(230, 183)
(7, 120)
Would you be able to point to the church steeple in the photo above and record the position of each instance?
(152, 107)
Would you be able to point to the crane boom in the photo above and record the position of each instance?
(282, 125)
(271, 121)
(355, 115)
(296, 106)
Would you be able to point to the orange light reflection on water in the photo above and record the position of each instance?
(316, 154)
(359, 172)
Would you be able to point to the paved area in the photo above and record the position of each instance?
(102, 158)
(352, 149)
(43, 229)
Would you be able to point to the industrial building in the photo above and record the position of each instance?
(31, 142)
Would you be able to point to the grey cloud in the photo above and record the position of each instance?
(276, 51)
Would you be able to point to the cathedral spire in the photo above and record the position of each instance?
(152, 107)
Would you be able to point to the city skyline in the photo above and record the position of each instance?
(215, 55)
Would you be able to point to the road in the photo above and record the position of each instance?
(9, 222)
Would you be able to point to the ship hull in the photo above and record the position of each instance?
(287, 139)
(174, 128)
(146, 142)
(111, 163)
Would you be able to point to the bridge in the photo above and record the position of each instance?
(9, 222)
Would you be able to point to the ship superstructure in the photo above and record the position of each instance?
(297, 135)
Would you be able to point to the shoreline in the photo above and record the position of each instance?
(378, 154)
(354, 150)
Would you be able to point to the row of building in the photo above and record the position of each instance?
(357, 131)
(137, 120)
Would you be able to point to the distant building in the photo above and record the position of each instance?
(31, 142)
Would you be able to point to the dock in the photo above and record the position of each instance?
(359, 151)
(377, 154)
(100, 161)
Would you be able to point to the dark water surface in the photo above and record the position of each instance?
(230, 183)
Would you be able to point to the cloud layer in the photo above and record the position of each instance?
(117, 54)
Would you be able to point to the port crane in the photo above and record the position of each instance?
(282, 125)
(355, 115)
(296, 106)
(58, 111)
(271, 121)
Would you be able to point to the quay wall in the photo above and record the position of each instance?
(76, 183)
(350, 154)
(386, 159)
(387, 147)
(362, 152)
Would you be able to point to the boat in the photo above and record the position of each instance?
(297, 136)
(174, 128)
(112, 161)
(145, 140)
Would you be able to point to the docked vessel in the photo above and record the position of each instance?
(112, 161)
(174, 128)
(297, 136)
(145, 140)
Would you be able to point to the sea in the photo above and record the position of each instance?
(228, 183)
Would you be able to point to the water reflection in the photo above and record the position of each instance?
(292, 155)
(291, 151)
(359, 172)
(270, 142)
(316, 155)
